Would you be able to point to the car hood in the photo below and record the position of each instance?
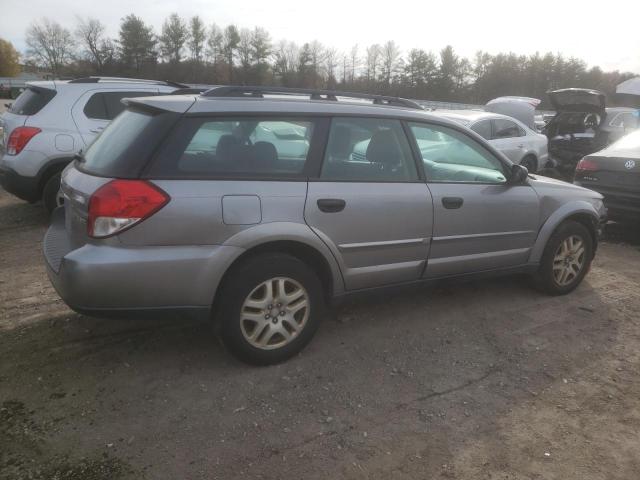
(577, 100)
(548, 185)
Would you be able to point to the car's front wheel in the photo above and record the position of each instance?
(269, 308)
(566, 259)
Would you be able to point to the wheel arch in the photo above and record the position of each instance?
(51, 168)
(579, 211)
(308, 250)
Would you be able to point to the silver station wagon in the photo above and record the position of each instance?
(257, 206)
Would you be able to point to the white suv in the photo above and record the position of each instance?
(51, 121)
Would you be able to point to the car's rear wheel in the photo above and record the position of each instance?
(566, 259)
(269, 308)
(530, 162)
(51, 196)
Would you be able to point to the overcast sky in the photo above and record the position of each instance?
(601, 33)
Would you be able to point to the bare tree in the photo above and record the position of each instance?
(98, 49)
(354, 62)
(317, 54)
(331, 65)
(373, 62)
(245, 52)
(50, 44)
(390, 61)
(197, 38)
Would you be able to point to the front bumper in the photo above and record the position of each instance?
(116, 281)
(25, 188)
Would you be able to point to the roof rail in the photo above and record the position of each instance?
(96, 79)
(314, 94)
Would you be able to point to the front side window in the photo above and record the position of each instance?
(506, 129)
(245, 147)
(450, 156)
(368, 150)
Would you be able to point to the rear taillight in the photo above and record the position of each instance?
(19, 139)
(586, 165)
(120, 204)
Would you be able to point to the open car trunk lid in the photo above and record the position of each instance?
(578, 100)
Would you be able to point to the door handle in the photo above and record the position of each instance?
(96, 130)
(452, 202)
(521, 145)
(331, 205)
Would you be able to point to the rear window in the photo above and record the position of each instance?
(32, 100)
(235, 147)
(124, 147)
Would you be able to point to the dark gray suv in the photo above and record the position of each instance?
(256, 206)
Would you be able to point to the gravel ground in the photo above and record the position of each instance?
(485, 380)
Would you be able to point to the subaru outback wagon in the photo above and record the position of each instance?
(256, 207)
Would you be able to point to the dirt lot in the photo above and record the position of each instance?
(486, 380)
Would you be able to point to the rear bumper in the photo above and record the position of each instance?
(110, 281)
(619, 203)
(25, 188)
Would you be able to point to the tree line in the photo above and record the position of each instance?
(188, 50)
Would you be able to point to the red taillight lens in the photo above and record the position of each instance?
(586, 165)
(120, 204)
(19, 139)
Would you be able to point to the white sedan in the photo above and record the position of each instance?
(513, 138)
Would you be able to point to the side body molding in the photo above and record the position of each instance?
(558, 216)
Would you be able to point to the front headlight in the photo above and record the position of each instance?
(598, 205)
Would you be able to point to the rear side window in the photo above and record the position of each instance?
(483, 128)
(235, 147)
(32, 100)
(125, 146)
(368, 150)
(107, 105)
(506, 129)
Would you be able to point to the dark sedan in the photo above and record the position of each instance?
(615, 173)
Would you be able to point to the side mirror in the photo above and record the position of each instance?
(518, 175)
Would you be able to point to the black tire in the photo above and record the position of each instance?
(544, 278)
(241, 282)
(530, 162)
(50, 193)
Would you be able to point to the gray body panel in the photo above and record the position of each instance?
(495, 227)
(387, 233)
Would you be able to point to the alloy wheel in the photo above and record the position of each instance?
(569, 260)
(274, 313)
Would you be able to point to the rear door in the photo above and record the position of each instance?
(479, 221)
(369, 204)
(96, 108)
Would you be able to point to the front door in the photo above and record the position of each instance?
(369, 205)
(480, 221)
